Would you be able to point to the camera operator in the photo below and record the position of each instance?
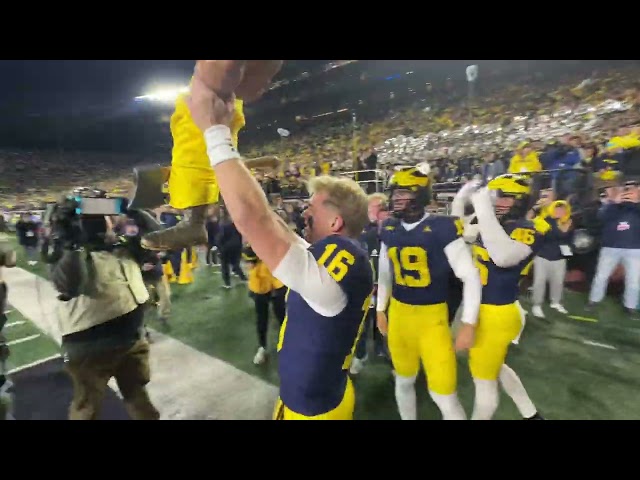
(101, 314)
(8, 260)
(620, 237)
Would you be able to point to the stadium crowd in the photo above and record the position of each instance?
(433, 125)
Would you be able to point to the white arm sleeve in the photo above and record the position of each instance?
(461, 262)
(503, 250)
(385, 280)
(300, 271)
(457, 206)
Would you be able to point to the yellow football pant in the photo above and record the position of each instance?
(344, 411)
(421, 332)
(498, 326)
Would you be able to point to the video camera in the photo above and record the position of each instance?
(78, 221)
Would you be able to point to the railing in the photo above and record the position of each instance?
(379, 179)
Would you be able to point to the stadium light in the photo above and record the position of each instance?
(163, 95)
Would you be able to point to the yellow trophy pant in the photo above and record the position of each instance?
(192, 181)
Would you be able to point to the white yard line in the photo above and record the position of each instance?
(601, 345)
(185, 383)
(15, 324)
(34, 364)
(22, 340)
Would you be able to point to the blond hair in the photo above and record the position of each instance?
(378, 196)
(347, 197)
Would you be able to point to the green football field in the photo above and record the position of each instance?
(26, 342)
(587, 367)
(581, 368)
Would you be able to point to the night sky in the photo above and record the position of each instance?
(41, 87)
(47, 86)
(89, 104)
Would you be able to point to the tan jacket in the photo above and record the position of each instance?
(113, 287)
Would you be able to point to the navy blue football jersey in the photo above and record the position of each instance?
(419, 266)
(315, 352)
(501, 286)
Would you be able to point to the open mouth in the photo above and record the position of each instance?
(399, 205)
(501, 211)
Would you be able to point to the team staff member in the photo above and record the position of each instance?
(378, 213)
(330, 281)
(550, 264)
(264, 289)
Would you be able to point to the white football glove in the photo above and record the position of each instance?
(468, 190)
(481, 200)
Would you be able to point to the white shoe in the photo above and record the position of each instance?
(537, 312)
(356, 366)
(261, 356)
(559, 308)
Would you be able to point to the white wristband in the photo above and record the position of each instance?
(220, 145)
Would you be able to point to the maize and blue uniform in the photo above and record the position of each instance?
(315, 352)
(501, 318)
(418, 314)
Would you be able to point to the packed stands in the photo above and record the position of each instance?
(441, 124)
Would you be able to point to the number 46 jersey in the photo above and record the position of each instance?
(420, 267)
(501, 286)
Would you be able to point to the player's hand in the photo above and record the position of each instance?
(466, 337)
(381, 322)
(468, 189)
(481, 198)
(221, 76)
(207, 109)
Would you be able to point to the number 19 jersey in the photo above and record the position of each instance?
(418, 263)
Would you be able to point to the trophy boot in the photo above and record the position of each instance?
(191, 231)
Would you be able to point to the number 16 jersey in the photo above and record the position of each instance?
(315, 352)
(418, 263)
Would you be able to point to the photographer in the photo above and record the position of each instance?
(101, 313)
